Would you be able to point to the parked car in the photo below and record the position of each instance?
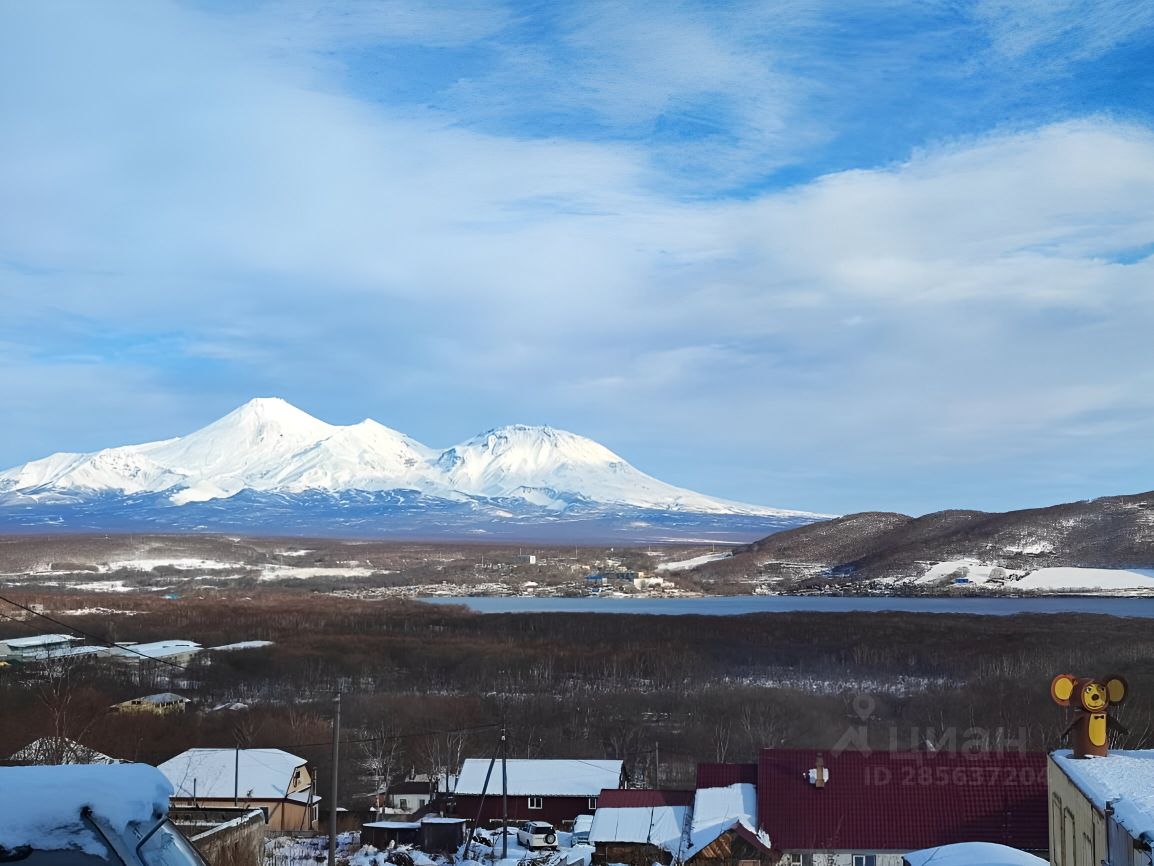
(582, 824)
(90, 815)
(536, 834)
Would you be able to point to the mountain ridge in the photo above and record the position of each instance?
(273, 450)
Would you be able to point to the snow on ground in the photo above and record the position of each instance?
(242, 645)
(96, 611)
(46, 812)
(971, 570)
(291, 572)
(182, 563)
(101, 586)
(686, 564)
(1068, 579)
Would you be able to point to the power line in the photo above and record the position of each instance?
(90, 636)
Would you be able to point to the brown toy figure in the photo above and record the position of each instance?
(1090, 698)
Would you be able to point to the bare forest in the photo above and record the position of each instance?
(426, 685)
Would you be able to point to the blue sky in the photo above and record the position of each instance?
(827, 255)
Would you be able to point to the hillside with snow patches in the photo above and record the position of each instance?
(268, 466)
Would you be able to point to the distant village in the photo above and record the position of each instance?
(844, 806)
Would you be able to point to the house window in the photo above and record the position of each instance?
(865, 860)
(402, 803)
(593, 803)
(536, 803)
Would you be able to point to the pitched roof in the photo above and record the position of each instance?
(723, 775)
(902, 801)
(716, 811)
(157, 649)
(210, 773)
(1125, 778)
(662, 826)
(161, 698)
(60, 750)
(564, 777)
(40, 640)
(618, 798)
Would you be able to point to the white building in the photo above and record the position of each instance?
(36, 647)
(1101, 809)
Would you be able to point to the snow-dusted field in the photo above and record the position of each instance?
(686, 564)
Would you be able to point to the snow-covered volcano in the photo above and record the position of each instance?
(268, 447)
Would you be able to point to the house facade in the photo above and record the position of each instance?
(871, 808)
(639, 827)
(162, 704)
(1101, 809)
(276, 782)
(553, 790)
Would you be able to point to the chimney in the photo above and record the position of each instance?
(819, 771)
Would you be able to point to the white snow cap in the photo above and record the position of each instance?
(270, 445)
(973, 854)
(1124, 779)
(45, 803)
(213, 773)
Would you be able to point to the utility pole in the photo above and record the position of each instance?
(236, 776)
(504, 795)
(336, 765)
(657, 761)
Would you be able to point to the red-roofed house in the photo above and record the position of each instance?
(871, 808)
(724, 775)
(553, 790)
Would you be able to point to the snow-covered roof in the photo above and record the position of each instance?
(712, 806)
(718, 810)
(40, 640)
(657, 825)
(209, 773)
(44, 808)
(60, 750)
(241, 645)
(541, 778)
(158, 649)
(1125, 778)
(162, 698)
(395, 825)
(973, 854)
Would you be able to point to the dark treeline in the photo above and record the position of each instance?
(660, 692)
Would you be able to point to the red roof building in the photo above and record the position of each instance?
(880, 802)
(724, 775)
(642, 798)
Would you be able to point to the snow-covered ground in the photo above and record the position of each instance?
(485, 851)
(1056, 579)
(686, 564)
(971, 570)
(1063, 579)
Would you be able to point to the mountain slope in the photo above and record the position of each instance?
(292, 468)
(1114, 532)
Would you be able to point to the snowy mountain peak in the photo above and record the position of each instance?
(269, 445)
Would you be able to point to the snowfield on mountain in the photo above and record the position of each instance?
(282, 458)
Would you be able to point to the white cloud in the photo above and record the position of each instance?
(167, 172)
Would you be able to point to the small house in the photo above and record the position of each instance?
(389, 834)
(177, 652)
(640, 827)
(723, 831)
(1101, 809)
(36, 647)
(406, 797)
(553, 790)
(277, 783)
(162, 704)
(862, 808)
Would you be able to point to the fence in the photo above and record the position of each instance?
(239, 842)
